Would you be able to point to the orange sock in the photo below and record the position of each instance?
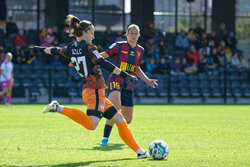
(127, 136)
(78, 116)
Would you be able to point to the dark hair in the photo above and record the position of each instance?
(76, 27)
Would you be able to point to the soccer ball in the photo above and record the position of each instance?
(158, 149)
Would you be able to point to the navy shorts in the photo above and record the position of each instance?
(126, 97)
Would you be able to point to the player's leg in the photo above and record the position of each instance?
(4, 86)
(124, 132)
(90, 120)
(127, 105)
(114, 91)
(8, 94)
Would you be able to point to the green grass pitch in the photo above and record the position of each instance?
(198, 136)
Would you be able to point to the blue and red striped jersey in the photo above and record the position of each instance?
(126, 58)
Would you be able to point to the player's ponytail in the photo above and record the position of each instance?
(76, 27)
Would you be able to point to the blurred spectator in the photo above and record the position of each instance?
(152, 49)
(198, 29)
(18, 55)
(119, 36)
(11, 28)
(227, 50)
(30, 59)
(42, 35)
(221, 59)
(231, 41)
(3, 26)
(109, 37)
(244, 61)
(221, 33)
(150, 31)
(204, 66)
(163, 66)
(235, 62)
(176, 66)
(49, 38)
(187, 67)
(151, 66)
(55, 32)
(163, 51)
(193, 55)
(64, 37)
(191, 36)
(20, 38)
(213, 37)
(182, 41)
(2, 54)
(204, 41)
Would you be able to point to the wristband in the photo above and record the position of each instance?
(123, 74)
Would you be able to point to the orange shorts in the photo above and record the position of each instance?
(95, 99)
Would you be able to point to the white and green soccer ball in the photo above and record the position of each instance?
(158, 149)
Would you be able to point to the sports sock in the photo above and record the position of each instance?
(107, 131)
(78, 116)
(127, 136)
(8, 98)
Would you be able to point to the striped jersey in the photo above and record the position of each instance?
(126, 58)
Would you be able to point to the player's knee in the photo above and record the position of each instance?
(129, 121)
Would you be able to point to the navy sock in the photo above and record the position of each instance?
(107, 130)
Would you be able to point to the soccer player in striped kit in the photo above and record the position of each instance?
(87, 62)
(127, 56)
(6, 78)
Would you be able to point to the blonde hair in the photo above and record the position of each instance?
(132, 26)
(9, 54)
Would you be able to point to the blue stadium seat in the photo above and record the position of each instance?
(205, 92)
(195, 92)
(237, 92)
(217, 92)
(184, 92)
(246, 92)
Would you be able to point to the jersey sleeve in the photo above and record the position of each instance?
(113, 49)
(94, 55)
(142, 54)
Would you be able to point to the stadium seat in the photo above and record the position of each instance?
(195, 92)
(246, 92)
(205, 92)
(237, 92)
(216, 92)
(184, 92)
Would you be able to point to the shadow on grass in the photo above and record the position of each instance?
(100, 148)
(89, 162)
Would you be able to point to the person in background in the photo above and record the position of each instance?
(193, 55)
(182, 41)
(221, 59)
(163, 51)
(19, 55)
(176, 67)
(42, 35)
(6, 79)
(49, 38)
(221, 32)
(198, 30)
(235, 61)
(2, 54)
(244, 60)
(162, 66)
(20, 38)
(152, 50)
(151, 66)
(11, 28)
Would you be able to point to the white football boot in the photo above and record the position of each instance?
(52, 107)
(145, 155)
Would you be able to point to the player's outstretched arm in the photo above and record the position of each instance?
(36, 50)
(150, 82)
